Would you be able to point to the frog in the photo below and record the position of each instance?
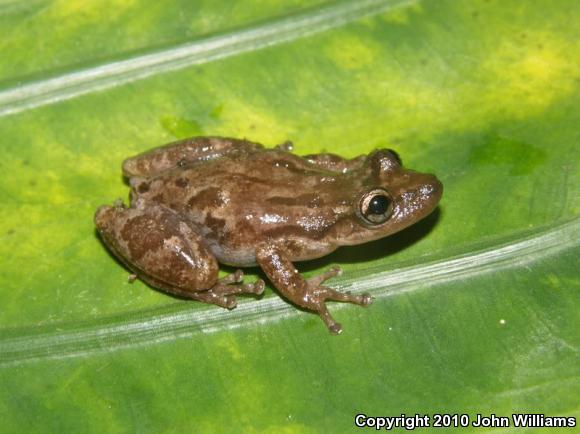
(204, 201)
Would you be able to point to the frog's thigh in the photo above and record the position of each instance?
(183, 152)
(160, 248)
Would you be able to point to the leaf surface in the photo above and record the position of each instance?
(476, 307)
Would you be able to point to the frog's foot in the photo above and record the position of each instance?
(320, 295)
(224, 288)
(209, 297)
(314, 285)
(317, 296)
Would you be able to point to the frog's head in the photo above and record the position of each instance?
(389, 198)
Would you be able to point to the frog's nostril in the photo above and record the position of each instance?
(426, 190)
(429, 185)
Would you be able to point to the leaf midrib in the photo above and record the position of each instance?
(181, 321)
(71, 84)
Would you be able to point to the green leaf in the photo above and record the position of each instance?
(476, 307)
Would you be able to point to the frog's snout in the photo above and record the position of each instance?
(432, 189)
(420, 197)
(429, 193)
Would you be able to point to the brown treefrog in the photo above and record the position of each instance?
(208, 200)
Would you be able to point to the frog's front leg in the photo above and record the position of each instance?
(306, 293)
(167, 253)
(183, 153)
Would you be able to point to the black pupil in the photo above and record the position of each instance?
(379, 204)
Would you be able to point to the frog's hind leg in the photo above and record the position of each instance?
(184, 153)
(167, 253)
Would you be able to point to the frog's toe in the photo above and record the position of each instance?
(366, 299)
(236, 277)
(211, 297)
(230, 302)
(335, 329)
(254, 288)
(132, 277)
(224, 287)
(226, 301)
(324, 293)
(321, 278)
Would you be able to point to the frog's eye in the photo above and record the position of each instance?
(376, 206)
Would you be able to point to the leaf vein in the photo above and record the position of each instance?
(76, 83)
(180, 320)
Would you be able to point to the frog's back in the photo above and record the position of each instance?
(242, 199)
(242, 177)
(271, 166)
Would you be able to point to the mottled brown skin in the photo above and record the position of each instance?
(209, 200)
